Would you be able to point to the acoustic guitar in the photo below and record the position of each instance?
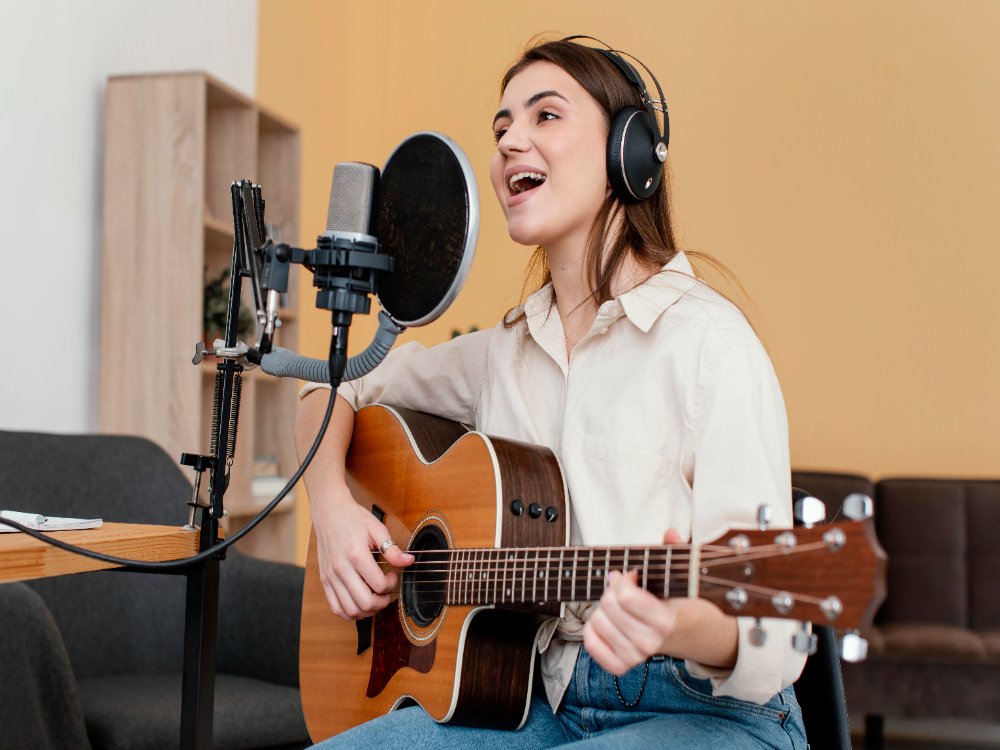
(488, 520)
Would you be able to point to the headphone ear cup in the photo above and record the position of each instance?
(633, 169)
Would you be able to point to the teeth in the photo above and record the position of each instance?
(537, 176)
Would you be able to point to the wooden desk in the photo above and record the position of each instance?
(23, 558)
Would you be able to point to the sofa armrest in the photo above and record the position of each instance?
(260, 608)
(39, 705)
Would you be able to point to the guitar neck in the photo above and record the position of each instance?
(822, 574)
(538, 575)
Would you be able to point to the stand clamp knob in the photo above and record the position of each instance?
(200, 464)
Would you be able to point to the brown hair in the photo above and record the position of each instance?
(645, 228)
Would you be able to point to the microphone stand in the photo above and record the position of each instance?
(201, 623)
(345, 267)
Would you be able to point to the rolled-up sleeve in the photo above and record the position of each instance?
(445, 380)
(741, 460)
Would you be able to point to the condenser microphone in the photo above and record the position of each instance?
(354, 202)
(424, 211)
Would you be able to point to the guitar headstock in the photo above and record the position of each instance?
(831, 574)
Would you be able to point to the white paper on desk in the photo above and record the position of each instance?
(46, 523)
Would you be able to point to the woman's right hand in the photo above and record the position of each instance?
(355, 584)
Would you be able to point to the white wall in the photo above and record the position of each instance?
(54, 61)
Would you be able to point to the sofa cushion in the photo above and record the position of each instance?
(983, 506)
(943, 558)
(39, 707)
(933, 642)
(922, 526)
(991, 642)
(143, 712)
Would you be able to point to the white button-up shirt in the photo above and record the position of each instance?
(667, 414)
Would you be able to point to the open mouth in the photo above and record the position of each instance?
(522, 182)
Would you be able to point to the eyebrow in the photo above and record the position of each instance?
(531, 100)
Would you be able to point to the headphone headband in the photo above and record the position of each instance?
(632, 76)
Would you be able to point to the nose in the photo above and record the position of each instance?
(514, 141)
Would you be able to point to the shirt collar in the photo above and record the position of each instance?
(645, 303)
(642, 304)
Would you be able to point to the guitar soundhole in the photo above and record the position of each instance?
(424, 581)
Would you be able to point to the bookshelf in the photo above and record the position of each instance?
(173, 143)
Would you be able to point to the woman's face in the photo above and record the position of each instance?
(549, 171)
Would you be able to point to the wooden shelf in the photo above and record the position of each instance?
(219, 227)
(164, 135)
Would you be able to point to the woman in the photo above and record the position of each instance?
(662, 406)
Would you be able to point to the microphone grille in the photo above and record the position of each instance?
(353, 198)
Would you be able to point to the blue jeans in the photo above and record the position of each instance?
(671, 710)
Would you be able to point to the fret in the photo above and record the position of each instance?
(645, 568)
(693, 565)
(534, 579)
(448, 568)
(470, 574)
(548, 575)
(572, 596)
(666, 573)
(470, 579)
(477, 583)
(451, 566)
(524, 573)
(494, 575)
(506, 570)
(484, 576)
(498, 577)
(625, 561)
(590, 573)
(561, 572)
(607, 567)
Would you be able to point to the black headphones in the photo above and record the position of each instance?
(637, 148)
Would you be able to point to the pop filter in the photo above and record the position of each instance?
(428, 224)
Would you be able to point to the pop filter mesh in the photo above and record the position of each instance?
(428, 223)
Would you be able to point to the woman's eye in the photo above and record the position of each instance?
(546, 115)
(498, 134)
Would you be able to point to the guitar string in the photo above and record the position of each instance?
(489, 573)
(468, 562)
(760, 592)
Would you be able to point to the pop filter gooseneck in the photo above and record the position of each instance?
(428, 222)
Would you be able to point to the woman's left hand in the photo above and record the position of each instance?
(630, 625)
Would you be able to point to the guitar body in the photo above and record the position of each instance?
(435, 486)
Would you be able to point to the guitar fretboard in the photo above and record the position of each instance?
(537, 575)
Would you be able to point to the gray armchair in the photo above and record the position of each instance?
(108, 668)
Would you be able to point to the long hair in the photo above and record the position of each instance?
(642, 229)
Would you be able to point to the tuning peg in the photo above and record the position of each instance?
(763, 516)
(804, 641)
(808, 510)
(853, 648)
(758, 636)
(858, 507)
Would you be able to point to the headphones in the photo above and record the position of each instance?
(637, 148)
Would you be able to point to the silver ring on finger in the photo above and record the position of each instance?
(386, 544)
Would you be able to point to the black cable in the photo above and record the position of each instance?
(222, 546)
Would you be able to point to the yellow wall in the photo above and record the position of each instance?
(843, 158)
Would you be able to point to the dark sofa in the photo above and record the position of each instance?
(934, 650)
(95, 659)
